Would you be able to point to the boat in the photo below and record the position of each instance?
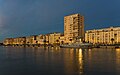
(77, 45)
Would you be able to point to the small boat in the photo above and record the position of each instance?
(77, 45)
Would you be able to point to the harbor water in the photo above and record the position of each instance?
(59, 61)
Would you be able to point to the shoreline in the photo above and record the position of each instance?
(39, 45)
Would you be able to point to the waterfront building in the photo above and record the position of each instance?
(47, 38)
(62, 39)
(31, 39)
(19, 40)
(103, 36)
(8, 41)
(41, 39)
(54, 38)
(73, 28)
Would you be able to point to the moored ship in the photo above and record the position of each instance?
(77, 45)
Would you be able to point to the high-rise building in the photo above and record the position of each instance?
(73, 28)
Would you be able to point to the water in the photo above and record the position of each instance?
(56, 61)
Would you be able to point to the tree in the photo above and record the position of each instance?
(36, 42)
(112, 40)
(44, 41)
(57, 42)
(71, 40)
(62, 42)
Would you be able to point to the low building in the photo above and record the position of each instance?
(47, 38)
(31, 39)
(54, 38)
(19, 40)
(8, 41)
(62, 39)
(41, 39)
(103, 36)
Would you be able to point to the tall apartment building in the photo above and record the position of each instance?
(103, 36)
(73, 28)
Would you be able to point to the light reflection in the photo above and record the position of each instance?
(89, 50)
(118, 59)
(118, 49)
(69, 60)
(118, 56)
(72, 58)
(81, 61)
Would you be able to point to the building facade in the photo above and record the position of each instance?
(73, 27)
(31, 39)
(62, 39)
(41, 39)
(103, 36)
(19, 40)
(8, 41)
(47, 39)
(15, 41)
(54, 38)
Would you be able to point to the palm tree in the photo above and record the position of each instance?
(62, 42)
(57, 41)
(44, 43)
(112, 40)
(71, 40)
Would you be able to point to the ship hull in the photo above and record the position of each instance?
(77, 46)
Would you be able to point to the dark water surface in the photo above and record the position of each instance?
(56, 61)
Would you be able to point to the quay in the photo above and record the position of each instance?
(50, 45)
(109, 46)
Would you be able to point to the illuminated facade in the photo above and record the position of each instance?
(41, 39)
(47, 38)
(19, 40)
(73, 27)
(62, 39)
(103, 36)
(15, 41)
(8, 41)
(31, 39)
(54, 38)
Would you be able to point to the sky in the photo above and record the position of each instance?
(33, 17)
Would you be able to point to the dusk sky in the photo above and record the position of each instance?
(29, 17)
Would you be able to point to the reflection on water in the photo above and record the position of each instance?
(80, 60)
(56, 61)
(75, 59)
(118, 60)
